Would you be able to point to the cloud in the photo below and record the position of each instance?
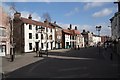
(93, 4)
(34, 15)
(102, 13)
(74, 11)
(97, 0)
(58, 0)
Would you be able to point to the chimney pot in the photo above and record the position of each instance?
(55, 22)
(75, 27)
(30, 17)
(17, 15)
(70, 26)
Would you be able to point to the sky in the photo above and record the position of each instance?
(84, 15)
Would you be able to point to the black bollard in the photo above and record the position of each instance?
(111, 56)
(12, 58)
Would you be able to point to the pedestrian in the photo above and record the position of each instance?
(46, 52)
(78, 47)
(105, 46)
(40, 52)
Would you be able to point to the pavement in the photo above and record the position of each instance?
(29, 58)
(19, 61)
(22, 60)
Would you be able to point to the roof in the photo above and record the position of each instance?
(38, 23)
(72, 32)
(55, 25)
(67, 31)
(76, 32)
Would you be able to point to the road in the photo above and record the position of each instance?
(83, 63)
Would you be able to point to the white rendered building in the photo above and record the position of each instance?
(31, 37)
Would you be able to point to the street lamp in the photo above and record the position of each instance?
(98, 28)
(40, 29)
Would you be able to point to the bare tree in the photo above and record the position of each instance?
(46, 16)
(11, 14)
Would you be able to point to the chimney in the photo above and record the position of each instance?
(84, 30)
(17, 15)
(75, 27)
(45, 21)
(54, 22)
(70, 26)
(30, 17)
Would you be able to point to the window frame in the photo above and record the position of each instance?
(30, 27)
(30, 35)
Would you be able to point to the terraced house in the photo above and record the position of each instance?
(30, 34)
(72, 38)
(58, 35)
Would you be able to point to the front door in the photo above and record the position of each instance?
(58, 45)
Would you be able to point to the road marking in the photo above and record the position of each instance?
(64, 57)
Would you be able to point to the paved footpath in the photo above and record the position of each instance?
(22, 60)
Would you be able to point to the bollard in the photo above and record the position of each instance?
(12, 58)
(111, 56)
(3, 76)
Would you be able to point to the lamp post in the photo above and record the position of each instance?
(40, 29)
(98, 28)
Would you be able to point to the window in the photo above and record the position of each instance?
(30, 35)
(50, 37)
(51, 29)
(2, 48)
(72, 37)
(47, 45)
(2, 32)
(41, 36)
(30, 46)
(30, 26)
(36, 27)
(46, 29)
(41, 45)
(36, 36)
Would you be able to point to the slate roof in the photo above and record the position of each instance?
(38, 23)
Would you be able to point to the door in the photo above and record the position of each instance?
(58, 45)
